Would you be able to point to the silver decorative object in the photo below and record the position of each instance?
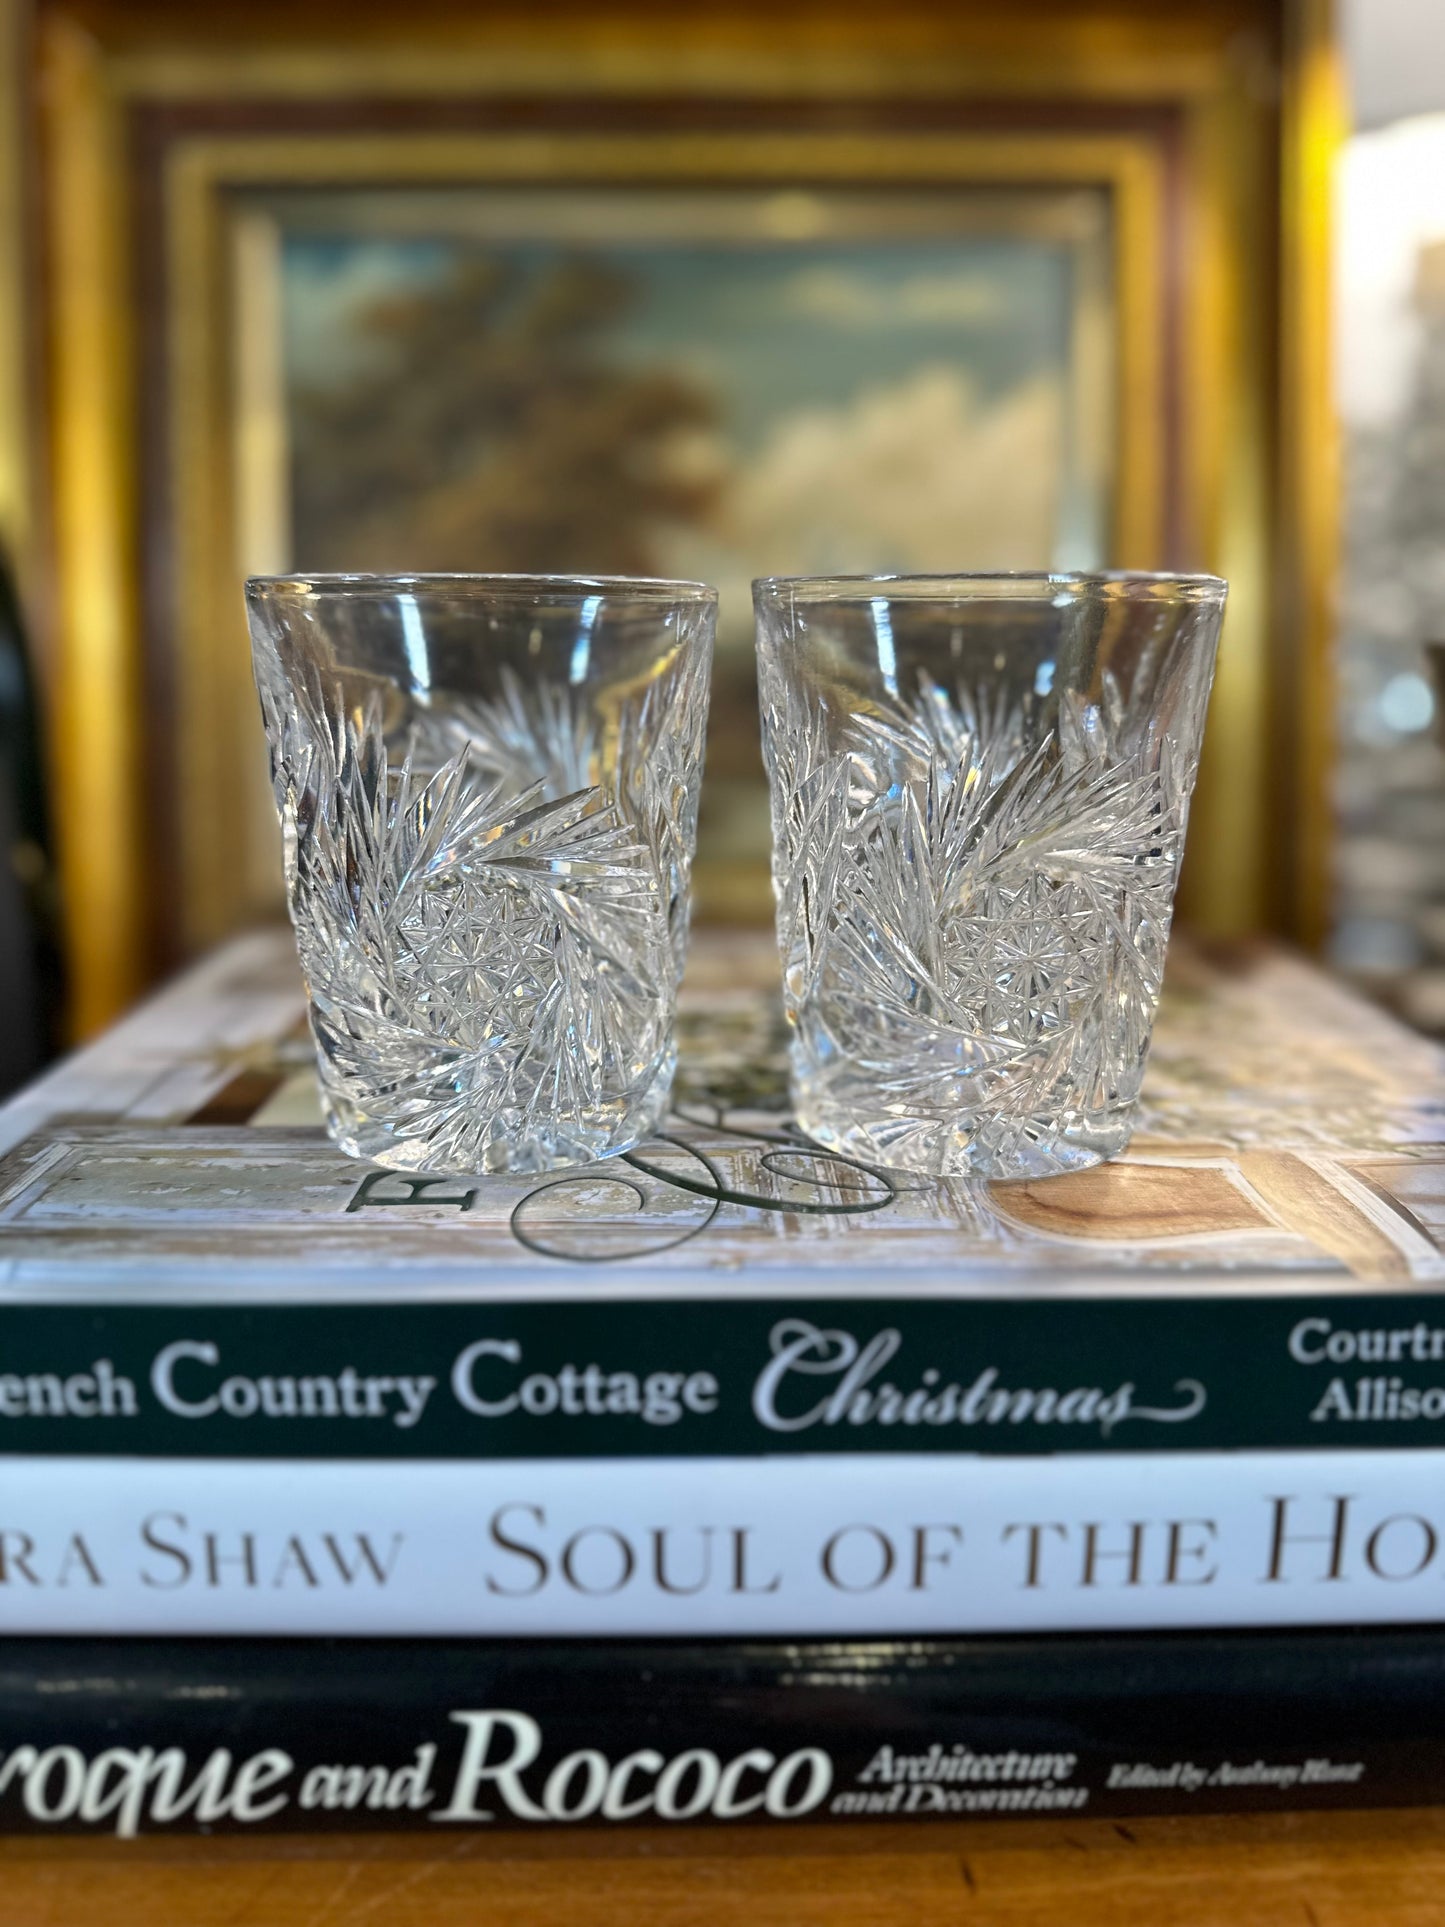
(488, 796)
(979, 788)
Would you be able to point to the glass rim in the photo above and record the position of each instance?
(643, 588)
(868, 588)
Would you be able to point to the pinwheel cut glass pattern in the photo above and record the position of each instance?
(979, 789)
(488, 798)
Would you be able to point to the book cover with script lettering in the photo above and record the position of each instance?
(1202, 1385)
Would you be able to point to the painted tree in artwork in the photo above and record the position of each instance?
(492, 429)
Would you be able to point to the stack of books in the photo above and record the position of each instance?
(729, 1480)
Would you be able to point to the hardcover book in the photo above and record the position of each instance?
(252, 1736)
(729, 1382)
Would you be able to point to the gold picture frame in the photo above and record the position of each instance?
(221, 460)
(157, 132)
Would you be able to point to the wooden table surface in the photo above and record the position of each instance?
(1308, 1870)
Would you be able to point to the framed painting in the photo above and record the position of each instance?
(561, 291)
(709, 356)
(709, 383)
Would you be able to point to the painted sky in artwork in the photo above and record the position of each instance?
(879, 404)
(771, 330)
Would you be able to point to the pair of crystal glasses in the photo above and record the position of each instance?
(488, 791)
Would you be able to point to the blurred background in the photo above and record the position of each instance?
(750, 290)
(1387, 926)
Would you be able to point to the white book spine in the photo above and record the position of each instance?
(849, 1545)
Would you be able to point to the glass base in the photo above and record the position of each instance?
(999, 1148)
(551, 1144)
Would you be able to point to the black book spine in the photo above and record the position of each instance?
(127, 1737)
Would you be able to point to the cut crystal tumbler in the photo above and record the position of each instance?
(488, 797)
(979, 789)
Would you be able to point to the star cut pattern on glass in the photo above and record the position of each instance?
(492, 932)
(973, 913)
